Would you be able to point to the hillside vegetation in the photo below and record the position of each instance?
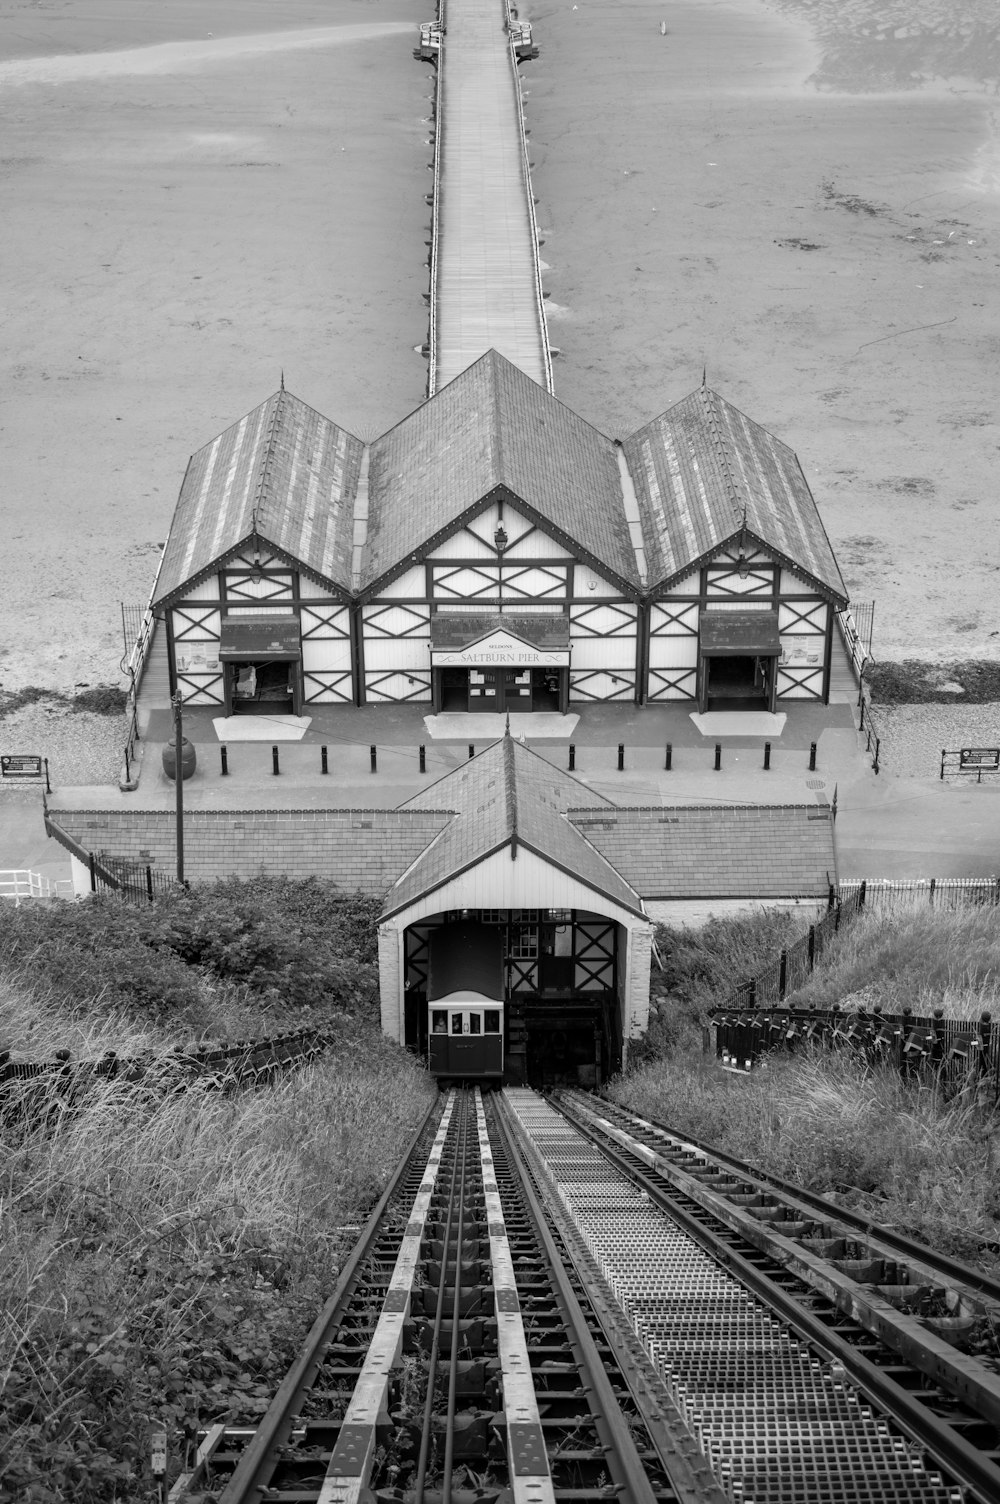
(830, 1121)
(162, 1256)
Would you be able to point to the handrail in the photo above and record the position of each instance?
(530, 203)
(436, 204)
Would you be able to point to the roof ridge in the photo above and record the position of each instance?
(497, 426)
(510, 789)
(708, 399)
(266, 457)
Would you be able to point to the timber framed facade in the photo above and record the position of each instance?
(495, 552)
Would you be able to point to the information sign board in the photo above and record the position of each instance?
(980, 757)
(20, 766)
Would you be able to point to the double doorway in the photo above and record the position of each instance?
(501, 689)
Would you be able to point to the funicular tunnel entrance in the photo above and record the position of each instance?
(539, 988)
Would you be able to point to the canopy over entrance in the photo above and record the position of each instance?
(740, 634)
(259, 639)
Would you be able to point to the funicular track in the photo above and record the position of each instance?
(811, 1361)
(455, 1363)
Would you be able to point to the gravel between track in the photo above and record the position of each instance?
(82, 748)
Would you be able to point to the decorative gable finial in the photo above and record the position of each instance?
(704, 375)
(507, 727)
(282, 378)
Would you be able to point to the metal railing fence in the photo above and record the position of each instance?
(32, 1088)
(950, 1053)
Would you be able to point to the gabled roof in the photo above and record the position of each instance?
(493, 427)
(702, 471)
(506, 796)
(743, 851)
(284, 474)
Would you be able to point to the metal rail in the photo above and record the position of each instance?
(453, 1362)
(954, 1270)
(944, 1403)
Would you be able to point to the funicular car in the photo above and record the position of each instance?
(465, 1025)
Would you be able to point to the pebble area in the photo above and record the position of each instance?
(912, 736)
(81, 748)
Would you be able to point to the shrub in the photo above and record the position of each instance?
(700, 967)
(102, 699)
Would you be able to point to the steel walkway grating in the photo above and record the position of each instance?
(777, 1423)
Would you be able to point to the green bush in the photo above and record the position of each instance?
(102, 699)
(267, 944)
(700, 968)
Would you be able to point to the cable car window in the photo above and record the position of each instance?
(439, 1022)
(456, 1023)
(475, 1024)
(491, 1020)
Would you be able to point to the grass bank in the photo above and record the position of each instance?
(161, 1257)
(900, 1152)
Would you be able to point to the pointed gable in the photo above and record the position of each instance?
(701, 470)
(507, 796)
(493, 427)
(284, 473)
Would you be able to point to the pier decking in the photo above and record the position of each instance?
(485, 283)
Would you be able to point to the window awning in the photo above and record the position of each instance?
(259, 639)
(739, 634)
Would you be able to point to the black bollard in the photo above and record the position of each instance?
(324, 764)
(812, 757)
(572, 757)
(472, 749)
(224, 755)
(669, 759)
(274, 761)
(718, 756)
(767, 756)
(423, 759)
(621, 757)
(373, 758)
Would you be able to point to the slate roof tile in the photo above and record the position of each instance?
(751, 851)
(493, 426)
(699, 468)
(283, 468)
(507, 791)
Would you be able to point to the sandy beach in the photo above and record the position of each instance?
(802, 198)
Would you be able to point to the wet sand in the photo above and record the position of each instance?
(790, 194)
(178, 229)
(807, 205)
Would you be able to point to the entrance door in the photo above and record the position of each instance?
(485, 689)
(517, 689)
(500, 689)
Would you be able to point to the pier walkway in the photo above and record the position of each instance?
(485, 280)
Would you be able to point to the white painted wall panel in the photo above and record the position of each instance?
(689, 584)
(603, 652)
(673, 652)
(208, 590)
(412, 583)
(587, 582)
(397, 653)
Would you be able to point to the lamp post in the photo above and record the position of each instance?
(179, 782)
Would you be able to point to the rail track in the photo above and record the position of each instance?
(555, 1300)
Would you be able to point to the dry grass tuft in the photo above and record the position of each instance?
(909, 955)
(163, 1255)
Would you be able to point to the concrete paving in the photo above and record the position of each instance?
(886, 826)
